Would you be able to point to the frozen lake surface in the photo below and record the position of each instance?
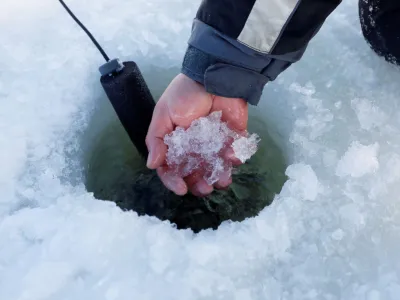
(332, 233)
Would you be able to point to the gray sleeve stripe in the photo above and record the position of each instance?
(266, 22)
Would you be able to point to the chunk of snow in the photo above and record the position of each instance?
(359, 160)
(304, 181)
(368, 114)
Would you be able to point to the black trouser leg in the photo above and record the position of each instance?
(380, 24)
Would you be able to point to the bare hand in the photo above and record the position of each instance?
(184, 101)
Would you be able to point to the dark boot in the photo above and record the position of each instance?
(380, 24)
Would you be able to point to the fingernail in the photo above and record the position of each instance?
(204, 188)
(230, 154)
(224, 183)
(181, 189)
(231, 157)
(178, 186)
(149, 160)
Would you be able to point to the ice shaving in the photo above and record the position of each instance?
(203, 144)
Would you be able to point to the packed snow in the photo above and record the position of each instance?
(202, 147)
(332, 233)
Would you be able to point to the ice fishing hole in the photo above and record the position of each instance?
(115, 172)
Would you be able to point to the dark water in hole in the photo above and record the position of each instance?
(114, 171)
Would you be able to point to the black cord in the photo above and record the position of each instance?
(87, 31)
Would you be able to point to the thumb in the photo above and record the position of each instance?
(160, 125)
(157, 153)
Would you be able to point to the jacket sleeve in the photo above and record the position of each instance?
(237, 46)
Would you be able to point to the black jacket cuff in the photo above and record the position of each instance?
(223, 79)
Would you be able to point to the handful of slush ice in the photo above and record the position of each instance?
(202, 147)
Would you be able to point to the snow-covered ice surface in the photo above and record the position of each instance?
(332, 233)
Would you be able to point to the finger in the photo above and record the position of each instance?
(197, 185)
(160, 125)
(157, 153)
(229, 155)
(172, 182)
(234, 112)
(191, 181)
(224, 181)
(202, 188)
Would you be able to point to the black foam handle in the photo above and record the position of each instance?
(132, 101)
